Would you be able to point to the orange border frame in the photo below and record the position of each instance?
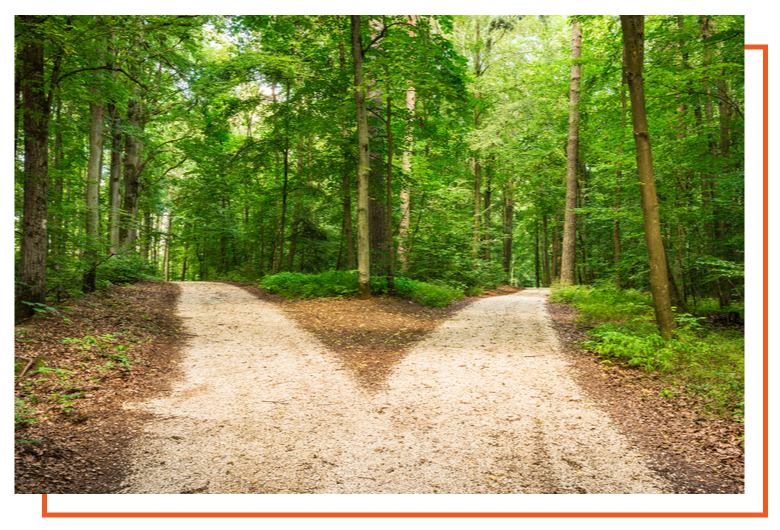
(353, 515)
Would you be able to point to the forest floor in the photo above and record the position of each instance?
(91, 445)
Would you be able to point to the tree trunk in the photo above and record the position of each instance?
(128, 231)
(405, 196)
(284, 185)
(364, 286)
(93, 191)
(115, 165)
(388, 190)
(377, 182)
(545, 252)
(19, 102)
(509, 221)
(488, 192)
(406, 163)
(131, 169)
(572, 150)
(34, 245)
(633, 45)
(346, 186)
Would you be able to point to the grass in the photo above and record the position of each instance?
(344, 283)
(707, 362)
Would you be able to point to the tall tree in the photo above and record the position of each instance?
(568, 258)
(364, 286)
(35, 109)
(94, 173)
(633, 45)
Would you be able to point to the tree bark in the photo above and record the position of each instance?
(572, 151)
(91, 226)
(128, 231)
(364, 286)
(94, 174)
(131, 171)
(377, 179)
(115, 171)
(35, 108)
(509, 217)
(633, 45)
(406, 196)
(18, 101)
(388, 190)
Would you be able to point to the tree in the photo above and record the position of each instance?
(36, 105)
(364, 286)
(572, 160)
(633, 43)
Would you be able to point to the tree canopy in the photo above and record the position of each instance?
(227, 147)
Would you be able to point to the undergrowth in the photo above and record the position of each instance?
(708, 362)
(345, 283)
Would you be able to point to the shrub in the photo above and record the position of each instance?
(341, 283)
(124, 269)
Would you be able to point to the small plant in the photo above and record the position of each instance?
(40, 308)
(59, 373)
(667, 393)
(22, 412)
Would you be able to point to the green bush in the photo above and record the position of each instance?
(708, 362)
(604, 304)
(129, 268)
(344, 283)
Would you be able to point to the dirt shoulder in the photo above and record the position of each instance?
(694, 452)
(77, 444)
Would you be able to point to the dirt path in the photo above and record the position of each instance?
(484, 404)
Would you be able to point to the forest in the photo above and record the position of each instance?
(463, 152)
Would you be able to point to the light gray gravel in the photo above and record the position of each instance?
(486, 404)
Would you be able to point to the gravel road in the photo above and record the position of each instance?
(485, 404)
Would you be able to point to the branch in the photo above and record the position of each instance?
(382, 34)
(111, 68)
(166, 108)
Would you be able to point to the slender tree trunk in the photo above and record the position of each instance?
(388, 190)
(91, 226)
(184, 259)
(19, 102)
(167, 254)
(128, 231)
(284, 185)
(633, 43)
(619, 178)
(545, 252)
(58, 218)
(406, 163)
(296, 212)
(94, 174)
(131, 169)
(115, 165)
(34, 246)
(572, 150)
(377, 179)
(509, 221)
(488, 193)
(537, 274)
(556, 259)
(364, 286)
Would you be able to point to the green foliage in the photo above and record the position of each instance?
(603, 304)
(129, 268)
(23, 412)
(345, 283)
(707, 362)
